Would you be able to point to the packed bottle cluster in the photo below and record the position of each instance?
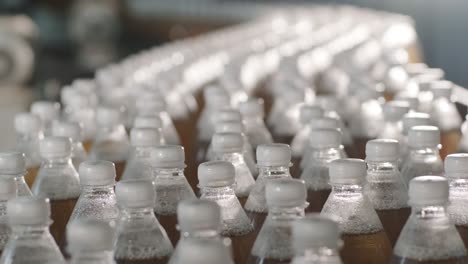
(305, 138)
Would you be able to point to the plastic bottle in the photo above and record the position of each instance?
(91, 241)
(393, 112)
(316, 240)
(385, 186)
(73, 131)
(30, 241)
(423, 157)
(13, 165)
(111, 142)
(58, 180)
(29, 132)
(202, 252)
(140, 238)
(8, 191)
(150, 121)
(171, 185)
(47, 112)
(286, 200)
(364, 238)
(325, 147)
(228, 147)
(252, 115)
(410, 120)
(429, 235)
(216, 182)
(463, 145)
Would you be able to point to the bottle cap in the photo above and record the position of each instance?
(8, 188)
(286, 193)
(382, 150)
(252, 107)
(314, 231)
(145, 137)
(456, 165)
(46, 110)
(216, 174)
(198, 251)
(347, 171)
(428, 190)
(441, 88)
(227, 115)
(395, 110)
(324, 138)
(97, 173)
(227, 142)
(71, 130)
(150, 121)
(168, 156)
(324, 122)
(308, 112)
(423, 136)
(26, 123)
(28, 210)
(13, 163)
(274, 154)
(108, 116)
(90, 235)
(415, 119)
(229, 127)
(196, 215)
(55, 147)
(135, 193)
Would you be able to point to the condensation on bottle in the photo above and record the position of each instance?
(410, 120)
(13, 165)
(8, 191)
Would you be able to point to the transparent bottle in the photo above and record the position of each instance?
(216, 181)
(429, 235)
(463, 145)
(253, 114)
(150, 121)
(410, 120)
(140, 238)
(8, 191)
(364, 238)
(393, 113)
(30, 241)
(91, 241)
(138, 165)
(385, 187)
(171, 185)
(286, 200)
(325, 147)
(316, 240)
(202, 252)
(58, 180)
(228, 147)
(73, 131)
(48, 112)
(423, 156)
(13, 165)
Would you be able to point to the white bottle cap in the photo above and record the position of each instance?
(324, 138)
(216, 174)
(315, 231)
(151, 121)
(456, 166)
(55, 147)
(168, 156)
(347, 171)
(71, 130)
(252, 107)
(428, 190)
(286, 193)
(13, 163)
(135, 193)
(229, 127)
(8, 188)
(382, 150)
(227, 115)
(227, 142)
(324, 122)
(26, 123)
(97, 173)
(395, 110)
(423, 136)
(90, 235)
(198, 251)
(441, 88)
(108, 116)
(28, 210)
(273, 155)
(145, 137)
(308, 112)
(197, 215)
(415, 119)
(46, 110)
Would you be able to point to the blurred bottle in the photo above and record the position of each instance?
(150, 121)
(73, 131)
(8, 191)
(140, 238)
(393, 113)
(286, 200)
(252, 115)
(58, 180)
(216, 181)
(410, 120)
(423, 82)
(463, 146)
(30, 240)
(316, 240)
(48, 112)
(385, 187)
(364, 238)
(202, 252)
(13, 165)
(429, 235)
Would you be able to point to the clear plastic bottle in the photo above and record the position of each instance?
(73, 131)
(48, 112)
(58, 180)
(202, 252)
(228, 147)
(171, 185)
(216, 181)
(30, 241)
(150, 121)
(8, 191)
(393, 112)
(385, 187)
(316, 240)
(138, 164)
(253, 114)
(463, 145)
(325, 147)
(410, 120)
(140, 237)
(286, 200)
(423, 156)
(429, 235)
(13, 165)
(364, 238)
(91, 241)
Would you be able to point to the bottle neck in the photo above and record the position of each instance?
(30, 231)
(57, 162)
(378, 170)
(274, 171)
(326, 153)
(253, 119)
(201, 234)
(216, 192)
(429, 212)
(286, 213)
(319, 253)
(168, 172)
(424, 152)
(99, 189)
(347, 190)
(91, 257)
(127, 213)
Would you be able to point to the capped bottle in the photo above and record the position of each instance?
(150, 121)
(13, 165)
(410, 120)
(48, 112)
(393, 113)
(364, 238)
(429, 235)
(202, 252)
(140, 238)
(253, 114)
(307, 113)
(73, 131)
(8, 191)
